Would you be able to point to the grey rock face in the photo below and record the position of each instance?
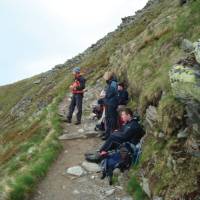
(151, 115)
(187, 46)
(37, 81)
(19, 110)
(185, 82)
(145, 186)
(183, 134)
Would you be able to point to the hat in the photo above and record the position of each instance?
(76, 69)
(108, 75)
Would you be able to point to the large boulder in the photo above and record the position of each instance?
(185, 82)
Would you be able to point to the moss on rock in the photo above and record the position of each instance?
(185, 82)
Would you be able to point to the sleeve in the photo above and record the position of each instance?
(110, 92)
(126, 97)
(131, 132)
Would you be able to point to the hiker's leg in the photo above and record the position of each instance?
(113, 139)
(111, 120)
(71, 107)
(79, 102)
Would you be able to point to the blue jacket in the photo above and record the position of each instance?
(111, 97)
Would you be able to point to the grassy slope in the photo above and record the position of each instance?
(142, 54)
(28, 144)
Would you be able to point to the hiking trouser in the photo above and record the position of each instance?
(113, 142)
(111, 116)
(76, 101)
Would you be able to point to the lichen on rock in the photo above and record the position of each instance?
(185, 82)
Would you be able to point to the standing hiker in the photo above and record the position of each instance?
(111, 102)
(77, 89)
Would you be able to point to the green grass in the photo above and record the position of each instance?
(26, 171)
(171, 114)
(135, 189)
(188, 21)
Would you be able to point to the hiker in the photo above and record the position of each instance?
(100, 126)
(77, 89)
(99, 108)
(131, 131)
(110, 102)
(182, 2)
(123, 98)
(122, 95)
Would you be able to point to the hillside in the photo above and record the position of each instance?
(143, 51)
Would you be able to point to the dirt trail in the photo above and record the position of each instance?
(58, 185)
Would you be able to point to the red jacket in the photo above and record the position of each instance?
(78, 85)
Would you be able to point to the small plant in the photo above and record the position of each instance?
(135, 189)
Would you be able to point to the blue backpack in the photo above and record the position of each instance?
(127, 155)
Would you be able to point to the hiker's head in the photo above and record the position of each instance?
(76, 71)
(126, 114)
(108, 76)
(120, 86)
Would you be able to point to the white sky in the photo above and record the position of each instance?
(38, 34)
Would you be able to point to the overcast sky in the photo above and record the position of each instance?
(38, 34)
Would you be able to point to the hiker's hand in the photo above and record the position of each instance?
(71, 87)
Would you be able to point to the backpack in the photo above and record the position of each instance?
(114, 84)
(127, 155)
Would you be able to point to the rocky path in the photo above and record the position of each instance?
(59, 184)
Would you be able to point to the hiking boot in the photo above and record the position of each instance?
(102, 134)
(103, 175)
(77, 123)
(105, 137)
(110, 180)
(95, 157)
(67, 120)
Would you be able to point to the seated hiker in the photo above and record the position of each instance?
(101, 114)
(97, 110)
(122, 95)
(100, 104)
(131, 131)
(123, 98)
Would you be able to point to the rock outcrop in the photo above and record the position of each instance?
(185, 82)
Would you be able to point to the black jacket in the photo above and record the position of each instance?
(131, 131)
(122, 97)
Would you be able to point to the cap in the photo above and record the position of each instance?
(76, 69)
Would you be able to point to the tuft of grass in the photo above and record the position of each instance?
(188, 21)
(135, 189)
(170, 114)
